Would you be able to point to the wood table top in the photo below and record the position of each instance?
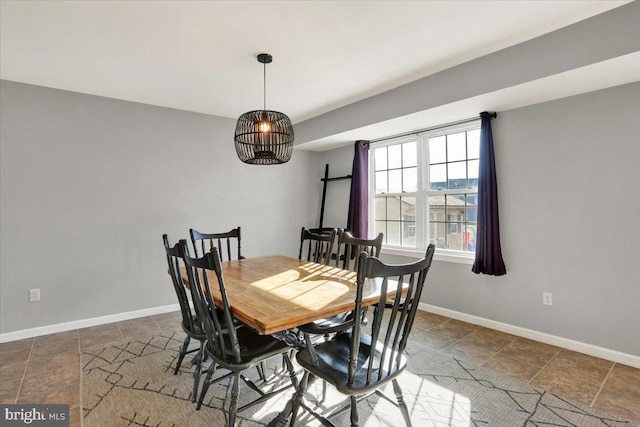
(274, 293)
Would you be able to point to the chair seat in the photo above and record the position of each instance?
(253, 348)
(333, 363)
(337, 323)
(195, 330)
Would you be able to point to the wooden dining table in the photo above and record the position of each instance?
(275, 293)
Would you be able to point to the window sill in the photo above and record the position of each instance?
(440, 255)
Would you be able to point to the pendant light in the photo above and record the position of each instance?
(264, 137)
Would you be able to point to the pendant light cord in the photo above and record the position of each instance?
(264, 85)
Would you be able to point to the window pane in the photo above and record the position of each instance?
(473, 144)
(472, 208)
(457, 175)
(408, 207)
(455, 236)
(455, 207)
(409, 233)
(438, 177)
(393, 233)
(393, 208)
(395, 181)
(410, 180)
(395, 156)
(473, 166)
(436, 234)
(471, 238)
(381, 227)
(436, 207)
(381, 208)
(381, 158)
(437, 150)
(456, 147)
(409, 154)
(381, 182)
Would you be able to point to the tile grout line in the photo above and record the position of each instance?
(120, 332)
(156, 323)
(499, 351)
(457, 341)
(24, 374)
(545, 365)
(602, 385)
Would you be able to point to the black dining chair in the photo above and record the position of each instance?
(349, 247)
(203, 242)
(190, 321)
(231, 349)
(356, 363)
(316, 247)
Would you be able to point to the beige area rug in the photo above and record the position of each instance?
(134, 385)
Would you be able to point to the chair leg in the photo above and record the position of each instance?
(261, 368)
(233, 405)
(181, 354)
(196, 373)
(282, 417)
(401, 404)
(355, 419)
(298, 396)
(205, 386)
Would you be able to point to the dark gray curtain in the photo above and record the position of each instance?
(358, 217)
(488, 251)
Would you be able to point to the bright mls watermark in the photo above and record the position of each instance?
(34, 415)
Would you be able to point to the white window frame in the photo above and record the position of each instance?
(422, 199)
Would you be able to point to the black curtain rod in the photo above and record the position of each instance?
(415, 132)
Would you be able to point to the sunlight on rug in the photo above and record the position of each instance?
(134, 385)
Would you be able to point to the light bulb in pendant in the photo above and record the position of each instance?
(264, 126)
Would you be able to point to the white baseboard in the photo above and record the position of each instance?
(85, 323)
(591, 350)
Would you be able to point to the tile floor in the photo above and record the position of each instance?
(46, 369)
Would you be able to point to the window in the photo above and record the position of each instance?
(425, 189)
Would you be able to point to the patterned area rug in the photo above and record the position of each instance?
(134, 385)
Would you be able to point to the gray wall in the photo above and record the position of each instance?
(89, 185)
(568, 174)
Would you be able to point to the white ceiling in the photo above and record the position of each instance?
(200, 55)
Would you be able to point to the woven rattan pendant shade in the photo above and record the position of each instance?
(264, 137)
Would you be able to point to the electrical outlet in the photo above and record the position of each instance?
(34, 295)
(547, 298)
